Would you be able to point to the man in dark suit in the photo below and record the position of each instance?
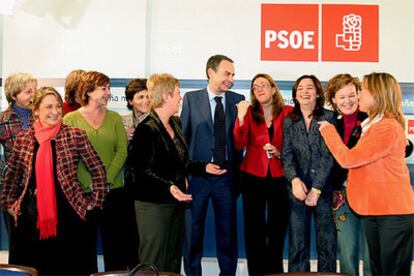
(208, 117)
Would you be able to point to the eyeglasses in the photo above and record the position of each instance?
(260, 86)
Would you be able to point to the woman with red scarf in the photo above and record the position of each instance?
(42, 193)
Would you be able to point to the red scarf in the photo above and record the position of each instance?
(45, 182)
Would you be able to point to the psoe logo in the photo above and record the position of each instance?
(290, 32)
(350, 33)
(410, 128)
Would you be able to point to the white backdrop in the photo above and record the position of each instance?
(126, 38)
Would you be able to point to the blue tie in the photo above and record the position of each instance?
(219, 154)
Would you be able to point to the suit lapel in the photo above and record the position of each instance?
(178, 133)
(357, 130)
(340, 126)
(300, 131)
(313, 131)
(164, 133)
(204, 106)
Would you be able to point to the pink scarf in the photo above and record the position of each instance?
(45, 184)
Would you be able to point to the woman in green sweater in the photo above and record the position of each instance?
(107, 135)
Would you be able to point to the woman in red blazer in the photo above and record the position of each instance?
(258, 129)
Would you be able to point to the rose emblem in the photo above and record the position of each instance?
(352, 21)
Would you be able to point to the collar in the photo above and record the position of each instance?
(21, 110)
(367, 123)
(8, 113)
(211, 94)
(138, 119)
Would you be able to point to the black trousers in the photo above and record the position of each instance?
(390, 243)
(300, 232)
(119, 232)
(161, 229)
(266, 212)
(58, 255)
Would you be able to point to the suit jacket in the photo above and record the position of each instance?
(198, 126)
(378, 178)
(72, 146)
(253, 137)
(339, 174)
(154, 162)
(305, 154)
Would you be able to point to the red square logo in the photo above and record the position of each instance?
(350, 33)
(289, 32)
(410, 127)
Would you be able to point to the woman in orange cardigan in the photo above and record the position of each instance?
(258, 128)
(378, 181)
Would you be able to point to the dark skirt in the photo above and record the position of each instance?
(60, 255)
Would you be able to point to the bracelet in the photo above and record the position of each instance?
(317, 191)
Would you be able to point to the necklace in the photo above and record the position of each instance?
(268, 115)
(93, 119)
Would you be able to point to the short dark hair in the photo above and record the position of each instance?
(296, 113)
(214, 61)
(134, 86)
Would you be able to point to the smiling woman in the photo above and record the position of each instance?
(45, 199)
(307, 164)
(259, 129)
(138, 102)
(49, 110)
(107, 135)
(372, 190)
(342, 93)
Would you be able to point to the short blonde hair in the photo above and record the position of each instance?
(41, 93)
(160, 84)
(16, 83)
(387, 94)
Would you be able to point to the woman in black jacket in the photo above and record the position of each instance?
(307, 163)
(158, 161)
